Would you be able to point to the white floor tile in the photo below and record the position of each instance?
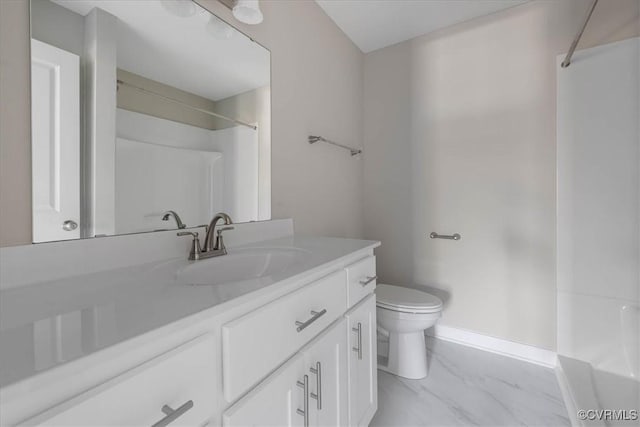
(467, 386)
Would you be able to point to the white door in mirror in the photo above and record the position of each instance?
(55, 128)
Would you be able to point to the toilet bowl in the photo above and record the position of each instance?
(404, 314)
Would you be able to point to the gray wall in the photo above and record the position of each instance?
(15, 128)
(460, 136)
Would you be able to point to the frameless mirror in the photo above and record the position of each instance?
(146, 115)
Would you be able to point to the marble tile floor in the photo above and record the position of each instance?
(466, 387)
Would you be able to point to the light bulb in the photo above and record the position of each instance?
(247, 11)
(181, 8)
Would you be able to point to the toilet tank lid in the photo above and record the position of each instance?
(398, 296)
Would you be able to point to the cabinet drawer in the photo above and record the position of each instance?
(359, 275)
(181, 378)
(255, 344)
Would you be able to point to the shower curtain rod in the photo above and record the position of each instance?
(574, 44)
(175, 101)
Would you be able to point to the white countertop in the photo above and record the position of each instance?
(46, 324)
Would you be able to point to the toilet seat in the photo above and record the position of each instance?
(406, 300)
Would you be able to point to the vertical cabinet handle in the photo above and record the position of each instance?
(304, 385)
(173, 414)
(318, 394)
(358, 349)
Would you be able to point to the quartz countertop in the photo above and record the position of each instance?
(46, 324)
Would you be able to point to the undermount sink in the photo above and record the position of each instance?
(240, 265)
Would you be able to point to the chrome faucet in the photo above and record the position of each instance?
(209, 244)
(211, 248)
(174, 214)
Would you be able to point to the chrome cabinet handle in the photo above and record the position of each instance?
(69, 225)
(315, 315)
(435, 235)
(173, 414)
(368, 280)
(358, 349)
(318, 394)
(304, 385)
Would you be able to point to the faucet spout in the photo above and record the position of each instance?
(176, 217)
(209, 244)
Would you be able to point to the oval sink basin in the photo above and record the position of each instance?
(241, 265)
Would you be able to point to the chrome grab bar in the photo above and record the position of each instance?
(304, 385)
(318, 394)
(358, 349)
(315, 315)
(435, 235)
(173, 414)
(368, 280)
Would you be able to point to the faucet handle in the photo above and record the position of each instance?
(219, 245)
(196, 250)
(220, 230)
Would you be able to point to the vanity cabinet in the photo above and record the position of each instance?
(309, 390)
(326, 366)
(256, 343)
(363, 378)
(305, 357)
(274, 402)
(176, 385)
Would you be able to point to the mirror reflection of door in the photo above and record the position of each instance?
(55, 128)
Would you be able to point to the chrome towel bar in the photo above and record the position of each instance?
(313, 139)
(435, 235)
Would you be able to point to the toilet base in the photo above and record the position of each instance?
(407, 355)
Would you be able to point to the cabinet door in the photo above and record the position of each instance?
(275, 402)
(179, 383)
(326, 364)
(363, 374)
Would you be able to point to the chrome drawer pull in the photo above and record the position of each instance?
(304, 385)
(173, 414)
(315, 315)
(368, 280)
(358, 349)
(318, 394)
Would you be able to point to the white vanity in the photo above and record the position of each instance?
(289, 343)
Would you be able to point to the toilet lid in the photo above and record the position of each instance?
(400, 298)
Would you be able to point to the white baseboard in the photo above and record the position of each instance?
(512, 349)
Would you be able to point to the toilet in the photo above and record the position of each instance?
(404, 314)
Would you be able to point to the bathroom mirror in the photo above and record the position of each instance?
(146, 115)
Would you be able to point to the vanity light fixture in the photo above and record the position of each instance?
(247, 11)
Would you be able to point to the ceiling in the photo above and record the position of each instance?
(181, 51)
(374, 24)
